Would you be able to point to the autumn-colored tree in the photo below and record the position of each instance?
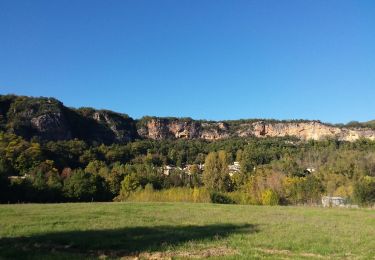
(215, 174)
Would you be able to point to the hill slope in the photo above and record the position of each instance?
(49, 119)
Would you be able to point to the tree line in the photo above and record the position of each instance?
(273, 170)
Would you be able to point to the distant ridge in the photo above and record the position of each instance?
(48, 119)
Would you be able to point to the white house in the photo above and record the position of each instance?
(234, 168)
(167, 169)
(328, 201)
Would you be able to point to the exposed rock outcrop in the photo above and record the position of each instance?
(122, 127)
(51, 126)
(304, 131)
(49, 119)
(307, 130)
(214, 131)
(157, 128)
(162, 128)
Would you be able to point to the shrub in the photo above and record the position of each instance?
(241, 197)
(364, 191)
(270, 197)
(220, 198)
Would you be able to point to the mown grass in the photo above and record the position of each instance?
(181, 230)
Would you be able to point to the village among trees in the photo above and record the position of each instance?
(257, 171)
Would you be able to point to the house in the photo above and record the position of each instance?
(188, 168)
(328, 201)
(18, 177)
(234, 168)
(167, 169)
(310, 170)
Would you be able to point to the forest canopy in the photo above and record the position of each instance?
(271, 170)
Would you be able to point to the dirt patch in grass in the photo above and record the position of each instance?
(289, 253)
(201, 253)
(109, 254)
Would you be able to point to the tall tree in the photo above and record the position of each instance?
(215, 175)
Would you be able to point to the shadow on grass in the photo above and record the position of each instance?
(115, 242)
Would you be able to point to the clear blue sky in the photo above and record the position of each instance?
(206, 59)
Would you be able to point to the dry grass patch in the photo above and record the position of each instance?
(201, 253)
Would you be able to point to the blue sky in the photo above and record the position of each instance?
(205, 59)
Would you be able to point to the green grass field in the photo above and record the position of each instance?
(183, 230)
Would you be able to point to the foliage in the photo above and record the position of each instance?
(215, 175)
(220, 198)
(40, 171)
(128, 185)
(303, 190)
(364, 191)
(22, 109)
(270, 197)
(83, 186)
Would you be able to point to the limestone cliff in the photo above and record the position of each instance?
(48, 119)
(308, 130)
(163, 128)
(159, 128)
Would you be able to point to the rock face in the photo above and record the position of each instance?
(304, 131)
(121, 127)
(102, 126)
(163, 128)
(51, 126)
(157, 129)
(309, 130)
(48, 119)
(214, 131)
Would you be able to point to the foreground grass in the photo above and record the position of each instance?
(181, 230)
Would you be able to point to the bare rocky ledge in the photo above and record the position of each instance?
(159, 129)
(49, 119)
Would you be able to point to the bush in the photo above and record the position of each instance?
(220, 198)
(241, 197)
(364, 191)
(270, 197)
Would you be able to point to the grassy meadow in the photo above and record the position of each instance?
(183, 230)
